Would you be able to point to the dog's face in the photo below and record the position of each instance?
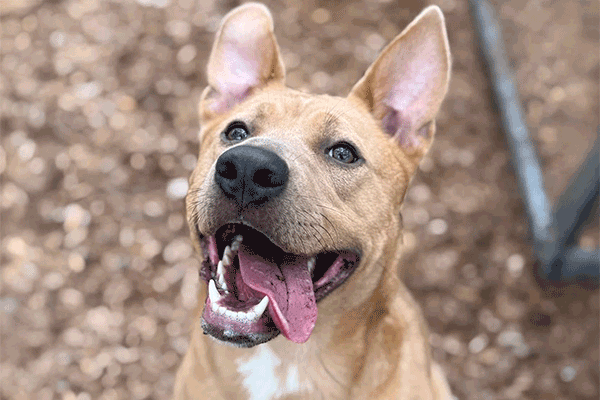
(296, 197)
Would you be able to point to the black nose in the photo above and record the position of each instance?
(251, 175)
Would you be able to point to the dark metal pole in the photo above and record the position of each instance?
(552, 233)
(578, 202)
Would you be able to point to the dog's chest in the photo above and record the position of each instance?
(265, 376)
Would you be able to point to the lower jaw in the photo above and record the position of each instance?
(258, 335)
(245, 335)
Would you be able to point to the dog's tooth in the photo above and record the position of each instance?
(223, 284)
(311, 264)
(222, 310)
(220, 268)
(213, 293)
(221, 276)
(260, 308)
(246, 317)
(227, 256)
(230, 314)
(251, 316)
(236, 243)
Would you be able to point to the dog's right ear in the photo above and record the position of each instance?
(245, 57)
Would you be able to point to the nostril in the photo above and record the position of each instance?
(227, 170)
(268, 178)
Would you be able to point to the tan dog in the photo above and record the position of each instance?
(295, 207)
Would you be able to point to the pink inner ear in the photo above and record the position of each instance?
(411, 89)
(413, 82)
(240, 73)
(399, 128)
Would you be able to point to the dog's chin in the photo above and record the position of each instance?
(256, 290)
(235, 338)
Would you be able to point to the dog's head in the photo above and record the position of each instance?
(296, 196)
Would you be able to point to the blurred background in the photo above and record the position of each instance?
(98, 103)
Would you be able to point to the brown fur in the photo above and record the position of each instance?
(370, 340)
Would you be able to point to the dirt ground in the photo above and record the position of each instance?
(98, 122)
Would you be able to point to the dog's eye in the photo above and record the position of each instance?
(236, 132)
(344, 153)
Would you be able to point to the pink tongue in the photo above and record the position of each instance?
(292, 303)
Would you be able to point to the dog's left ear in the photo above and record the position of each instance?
(405, 86)
(244, 57)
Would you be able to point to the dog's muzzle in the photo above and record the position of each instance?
(251, 175)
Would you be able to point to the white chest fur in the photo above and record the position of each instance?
(266, 377)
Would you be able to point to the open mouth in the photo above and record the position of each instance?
(256, 290)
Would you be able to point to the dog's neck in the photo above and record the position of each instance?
(281, 369)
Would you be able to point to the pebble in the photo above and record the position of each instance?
(117, 291)
(8, 305)
(145, 325)
(27, 150)
(487, 319)
(75, 237)
(177, 188)
(98, 319)
(74, 337)
(87, 91)
(419, 216)
(178, 29)
(177, 250)
(515, 264)
(155, 3)
(466, 158)
(53, 280)
(154, 208)
(509, 338)
(320, 16)
(76, 262)
(75, 217)
(71, 297)
(508, 307)
(63, 358)
(160, 284)
(175, 222)
(478, 343)
(126, 355)
(452, 345)
(186, 54)
(437, 227)
(37, 166)
(568, 373)
(489, 356)
(58, 39)
(189, 161)
(169, 143)
(30, 270)
(150, 249)
(127, 237)
(420, 193)
(124, 103)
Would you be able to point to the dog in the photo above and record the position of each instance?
(294, 206)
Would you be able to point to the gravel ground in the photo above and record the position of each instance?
(98, 120)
